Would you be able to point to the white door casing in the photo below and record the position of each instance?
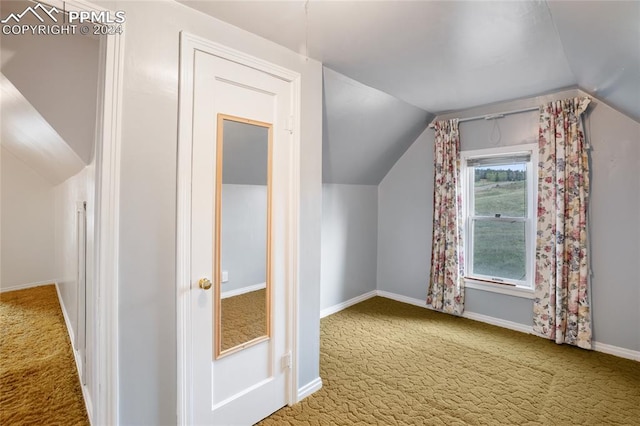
(245, 386)
(80, 341)
(102, 400)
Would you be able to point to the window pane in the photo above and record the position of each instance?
(500, 190)
(499, 249)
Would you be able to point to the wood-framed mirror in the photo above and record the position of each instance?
(242, 255)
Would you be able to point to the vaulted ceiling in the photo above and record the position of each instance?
(365, 131)
(447, 55)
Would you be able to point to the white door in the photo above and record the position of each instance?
(247, 385)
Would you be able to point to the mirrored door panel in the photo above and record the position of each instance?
(242, 234)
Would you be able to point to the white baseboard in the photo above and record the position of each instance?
(466, 314)
(340, 306)
(403, 299)
(499, 322)
(311, 387)
(24, 286)
(617, 351)
(243, 290)
(523, 328)
(85, 392)
(67, 321)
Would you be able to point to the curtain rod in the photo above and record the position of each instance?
(492, 116)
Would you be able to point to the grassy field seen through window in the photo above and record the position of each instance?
(499, 248)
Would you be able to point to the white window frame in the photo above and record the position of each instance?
(523, 288)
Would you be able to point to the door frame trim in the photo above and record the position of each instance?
(107, 215)
(189, 44)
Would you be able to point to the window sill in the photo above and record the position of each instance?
(526, 293)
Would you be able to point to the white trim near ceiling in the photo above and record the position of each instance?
(189, 44)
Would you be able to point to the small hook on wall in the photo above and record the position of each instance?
(496, 134)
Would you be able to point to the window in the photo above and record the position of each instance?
(499, 201)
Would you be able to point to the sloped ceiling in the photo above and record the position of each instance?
(450, 55)
(365, 130)
(57, 75)
(28, 136)
(602, 45)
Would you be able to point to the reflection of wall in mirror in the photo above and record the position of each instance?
(243, 235)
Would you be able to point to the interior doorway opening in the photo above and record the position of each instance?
(60, 160)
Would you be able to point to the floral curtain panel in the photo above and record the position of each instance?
(561, 305)
(446, 284)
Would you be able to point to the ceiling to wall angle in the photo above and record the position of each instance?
(451, 55)
(49, 96)
(365, 131)
(431, 57)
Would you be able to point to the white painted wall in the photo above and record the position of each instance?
(147, 257)
(349, 242)
(75, 189)
(244, 235)
(27, 224)
(78, 188)
(405, 217)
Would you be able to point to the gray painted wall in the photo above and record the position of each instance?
(405, 216)
(147, 288)
(244, 235)
(349, 241)
(405, 204)
(516, 309)
(245, 153)
(615, 229)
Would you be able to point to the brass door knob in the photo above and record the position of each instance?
(204, 283)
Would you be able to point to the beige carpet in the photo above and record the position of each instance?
(243, 318)
(38, 378)
(387, 363)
